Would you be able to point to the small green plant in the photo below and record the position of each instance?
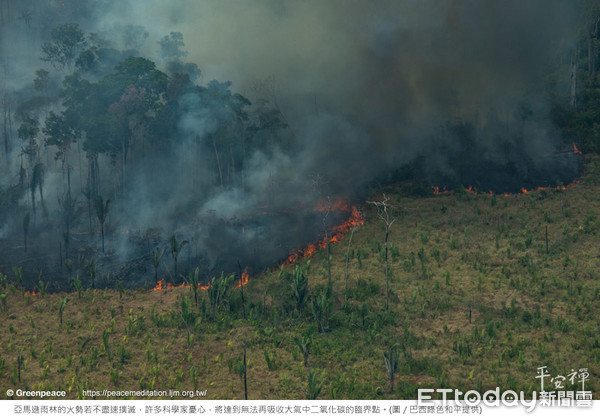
(304, 343)
(194, 282)
(188, 316)
(18, 272)
(92, 273)
(391, 364)
(299, 287)
(176, 247)
(218, 292)
(321, 308)
(120, 289)
(105, 337)
(78, 286)
(114, 376)
(451, 243)
(42, 287)
(61, 307)
(313, 387)
(3, 300)
(270, 360)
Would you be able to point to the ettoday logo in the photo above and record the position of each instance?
(473, 398)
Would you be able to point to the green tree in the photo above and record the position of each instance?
(176, 247)
(61, 134)
(66, 40)
(171, 47)
(41, 81)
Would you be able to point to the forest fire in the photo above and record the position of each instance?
(162, 285)
(549, 172)
(244, 279)
(523, 190)
(335, 235)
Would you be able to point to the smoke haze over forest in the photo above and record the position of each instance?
(257, 112)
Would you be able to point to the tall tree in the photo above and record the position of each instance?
(70, 212)
(66, 40)
(385, 212)
(101, 213)
(176, 247)
(27, 132)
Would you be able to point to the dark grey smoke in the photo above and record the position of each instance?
(365, 87)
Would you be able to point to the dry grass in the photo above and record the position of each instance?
(528, 309)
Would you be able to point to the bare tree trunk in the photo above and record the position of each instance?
(328, 261)
(387, 271)
(5, 118)
(245, 380)
(590, 56)
(573, 81)
(232, 165)
(102, 228)
(218, 160)
(42, 200)
(242, 289)
(32, 189)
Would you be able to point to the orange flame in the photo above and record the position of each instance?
(162, 285)
(437, 191)
(32, 293)
(338, 205)
(244, 279)
(523, 190)
(336, 235)
(576, 150)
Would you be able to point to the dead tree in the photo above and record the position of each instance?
(101, 213)
(573, 81)
(385, 213)
(25, 229)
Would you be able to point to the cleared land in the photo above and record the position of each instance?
(477, 301)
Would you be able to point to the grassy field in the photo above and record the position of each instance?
(477, 301)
